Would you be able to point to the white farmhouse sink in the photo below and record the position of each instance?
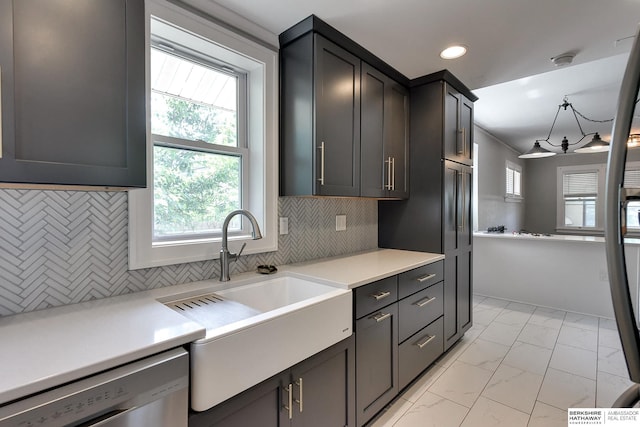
(275, 293)
(259, 328)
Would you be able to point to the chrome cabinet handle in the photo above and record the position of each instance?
(464, 199)
(380, 317)
(321, 179)
(461, 141)
(387, 184)
(424, 301)
(425, 278)
(381, 295)
(424, 341)
(289, 406)
(299, 401)
(393, 173)
(460, 190)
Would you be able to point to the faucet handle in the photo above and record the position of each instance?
(240, 253)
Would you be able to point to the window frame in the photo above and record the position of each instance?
(600, 170)
(632, 231)
(261, 65)
(512, 196)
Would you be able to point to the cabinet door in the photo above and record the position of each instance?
(451, 137)
(383, 136)
(457, 248)
(464, 291)
(458, 126)
(376, 362)
(396, 139)
(466, 124)
(337, 141)
(73, 92)
(262, 405)
(324, 388)
(464, 288)
(374, 170)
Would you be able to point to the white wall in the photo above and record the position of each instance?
(493, 210)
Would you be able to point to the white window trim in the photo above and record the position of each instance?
(262, 78)
(632, 231)
(601, 170)
(510, 197)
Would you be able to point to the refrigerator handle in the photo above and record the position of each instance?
(614, 238)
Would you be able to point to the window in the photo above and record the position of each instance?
(513, 181)
(580, 193)
(212, 141)
(632, 180)
(199, 153)
(581, 190)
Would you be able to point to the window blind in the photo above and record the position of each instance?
(513, 182)
(632, 178)
(580, 184)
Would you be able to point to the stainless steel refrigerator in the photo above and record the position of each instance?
(616, 199)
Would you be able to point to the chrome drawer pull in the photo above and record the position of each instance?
(299, 401)
(381, 295)
(421, 344)
(425, 278)
(380, 317)
(424, 301)
(289, 407)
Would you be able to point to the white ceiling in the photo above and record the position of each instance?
(507, 40)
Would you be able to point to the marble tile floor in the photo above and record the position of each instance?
(518, 366)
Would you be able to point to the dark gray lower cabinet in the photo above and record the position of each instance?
(376, 361)
(399, 333)
(420, 351)
(317, 392)
(258, 406)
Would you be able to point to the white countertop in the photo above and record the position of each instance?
(352, 271)
(541, 237)
(46, 348)
(552, 237)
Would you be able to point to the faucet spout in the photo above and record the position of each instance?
(225, 256)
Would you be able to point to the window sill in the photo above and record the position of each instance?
(513, 199)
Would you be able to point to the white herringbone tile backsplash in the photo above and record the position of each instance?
(64, 247)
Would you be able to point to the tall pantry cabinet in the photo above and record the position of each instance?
(437, 217)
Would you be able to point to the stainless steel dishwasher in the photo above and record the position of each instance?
(149, 392)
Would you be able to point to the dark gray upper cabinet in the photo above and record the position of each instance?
(343, 123)
(384, 136)
(73, 92)
(458, 126)
(320, 119)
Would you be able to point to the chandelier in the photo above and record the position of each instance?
(594, 146)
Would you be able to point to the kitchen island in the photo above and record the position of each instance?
(564, 272)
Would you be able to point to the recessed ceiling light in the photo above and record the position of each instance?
(453, 52)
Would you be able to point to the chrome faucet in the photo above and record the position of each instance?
(225, 256)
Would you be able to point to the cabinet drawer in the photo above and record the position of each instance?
(420, 309)
(419, 351)
(417, 279)
(374, 296)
